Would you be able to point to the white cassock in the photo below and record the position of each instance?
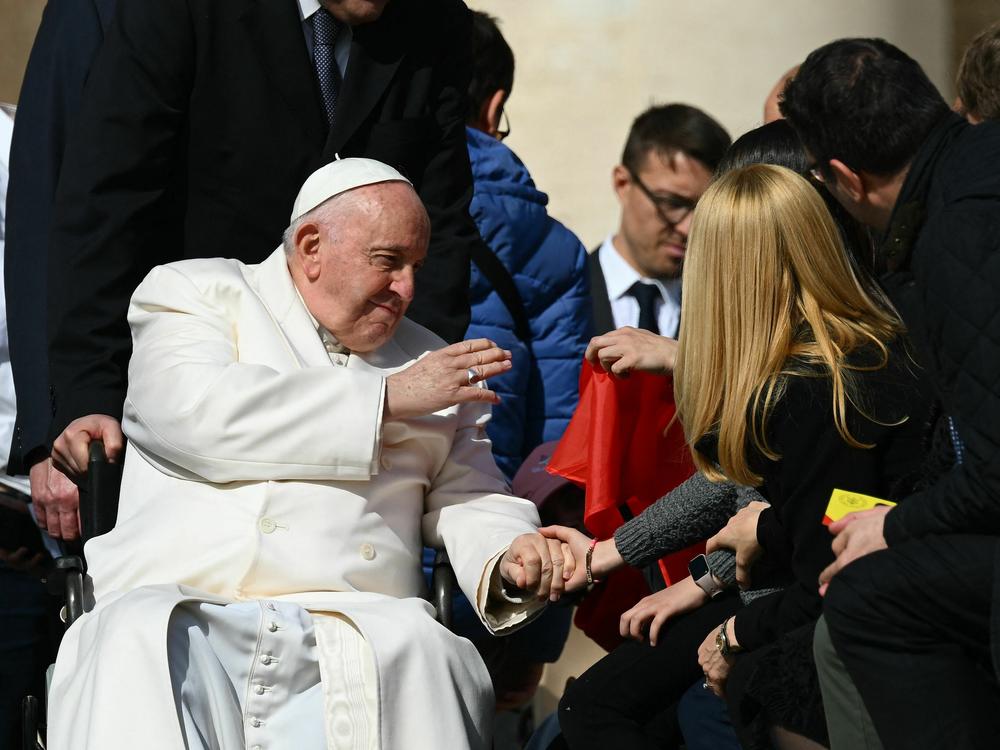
(261, 483)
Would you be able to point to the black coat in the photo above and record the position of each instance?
(604, 321)
(200, 121)
(68, 38)
(943, 249)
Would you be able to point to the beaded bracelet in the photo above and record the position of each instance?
(590, 557)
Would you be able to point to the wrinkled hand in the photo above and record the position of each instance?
(604, 560)
(537, 564)
(56, 500)
(714, 665)
(740, 536)
(656, 609)
(857, 534)
(71, 450)
(626, 349)
(441, 379)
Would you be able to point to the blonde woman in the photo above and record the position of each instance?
(792, 378)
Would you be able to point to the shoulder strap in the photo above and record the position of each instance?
(501, 281)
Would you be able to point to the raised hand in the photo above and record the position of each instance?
(444, 378)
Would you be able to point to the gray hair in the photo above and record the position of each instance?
(329, 214)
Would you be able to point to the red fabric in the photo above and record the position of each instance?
(619, 448)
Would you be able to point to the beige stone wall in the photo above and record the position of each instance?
(18, 22)
(585, 68)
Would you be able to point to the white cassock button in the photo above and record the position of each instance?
(272, 626)
(386, 463)
(259, 689)
(267, 525)
(265, 659)
(256, 747)
(368, 551)
(255, 722)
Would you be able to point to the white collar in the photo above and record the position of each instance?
(307, 8)
(619, 276)
(330, 341)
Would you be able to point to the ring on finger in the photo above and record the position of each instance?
(471, 375)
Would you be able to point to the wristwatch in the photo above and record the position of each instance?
(702, 575)
(722, 640)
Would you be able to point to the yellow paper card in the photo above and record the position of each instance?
(843, 502)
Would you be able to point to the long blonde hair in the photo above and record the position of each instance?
(769, 293)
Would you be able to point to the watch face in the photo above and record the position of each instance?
(698, 567)
(720, 642)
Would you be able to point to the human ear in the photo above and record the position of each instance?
(848, 182)
(620, 179)
(488, 119)
(307, 248)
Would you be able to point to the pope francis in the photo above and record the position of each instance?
(294, 441)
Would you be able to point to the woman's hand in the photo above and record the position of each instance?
(716, 666)
(604, 559)
(619, 352)
(656, 609)
(740, 536)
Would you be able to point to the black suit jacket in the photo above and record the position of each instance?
(604, 320)
(68, 37)
(201, 120)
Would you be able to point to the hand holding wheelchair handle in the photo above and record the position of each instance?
(71, 450)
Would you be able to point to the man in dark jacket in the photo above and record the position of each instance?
(910, 614)
(70, 33)
(188, 103)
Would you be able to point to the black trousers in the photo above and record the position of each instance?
(620, 702)
(912, 626)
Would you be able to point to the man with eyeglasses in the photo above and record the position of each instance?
(635, 275)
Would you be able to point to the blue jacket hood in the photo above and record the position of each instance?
(498, 170)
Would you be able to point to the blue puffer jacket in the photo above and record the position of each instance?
(547, 261)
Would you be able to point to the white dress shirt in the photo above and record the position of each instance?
(8, 407)
(619, 277)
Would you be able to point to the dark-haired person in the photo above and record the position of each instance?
(668, 160)
(911, 607)
(978, 79)
(669, 157)
(543, 267)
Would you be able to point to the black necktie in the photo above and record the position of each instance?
(325, 30)
(646, 295)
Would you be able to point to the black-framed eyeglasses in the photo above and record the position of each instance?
(504, 129)
(673, 209)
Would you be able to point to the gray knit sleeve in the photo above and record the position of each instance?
(692, 511)
(722, 562)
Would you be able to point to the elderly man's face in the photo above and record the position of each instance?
(357, 276)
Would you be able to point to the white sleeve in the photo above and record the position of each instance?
(468, 510)
(197, 412)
